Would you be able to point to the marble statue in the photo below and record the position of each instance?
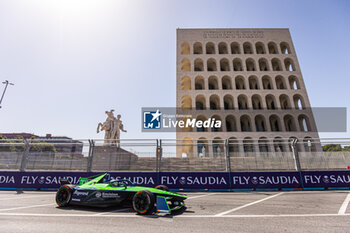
(112, 127)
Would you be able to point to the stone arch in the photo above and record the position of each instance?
(242, 102)
(186, 102)
(260, 48)
(198, 65)
(185, 65)
(224, 65)
(200, 102)
(211, 64)
(202, 147)
(202, 128)
(226, 83)
(233, 145)
(237, 64)
(210, 48)
(309, 144)
(270, 102)
(260, 123)
(248, 145)
(218, 147)
(256, 102)
(304, 123)
(275, 123)
(289, 123)
(276, 64)
(267, 83)
(213, 83)
(214, 102)
(216, 118)
(223, 48)
(239, 80)
(250, 64)
(230, 121)
(197, 48)
(279, 144)
(187, 147)
(245, 123)
(186, 83)
(253, 82)
(228, 102)
(298, 102)
(272, 48)
(235, 48)
(285, 102)
(285, 49)
(280, 83)
(185, 48)
(247, 48)
(199, 83)
(294, 82)
(263, 145)
(186, 128)
(289, 64)
(263, 64)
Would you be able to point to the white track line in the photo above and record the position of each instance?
(177, 216)
(26, 207)
(344, 205)
(20, 197)
(201, 196)
(112, 211)
(249, 204)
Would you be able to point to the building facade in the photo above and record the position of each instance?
(250, 79)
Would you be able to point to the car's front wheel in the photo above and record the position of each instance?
(64, 195)
(143, 202)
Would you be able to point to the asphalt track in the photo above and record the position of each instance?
(295, 211)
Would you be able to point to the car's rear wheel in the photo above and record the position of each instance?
(162, 187)
(143, 202)
(64, 195)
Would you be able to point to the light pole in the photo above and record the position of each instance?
(6, 84)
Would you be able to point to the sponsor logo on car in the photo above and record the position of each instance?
(106, 195)
(75, 199)
(80, 193)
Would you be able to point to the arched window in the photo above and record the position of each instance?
(309, 144)
(275, 123)
(186, 102)
(223, 48)
(266, 81)
(202, 128)
(233, 146)
(260, 48)
(186, 83)
(293, 82)
(285, 103)
(228, 102)
(185, 48)
(280, 84)
(256, 102)
(248, 145)
(200, 102)
(260, 124)
(210, 48)
(202, 147)
(237, 64)
(298, 102)
(247, 48)
(276, 64)
(187, 128)
(272, 48)
(197, 48)
(216, 118)
(263, 66)
(187, 148)
(304, 123)
(211, 64)
(198, 65)
(279, 144)
(263, 145)
(230, 123)
(270, 102)
(226, 83)
(245, 123)
(199, 83)
(289, 123)
(289, 64)
(185, 65)
(213, 83)
(253, 83)
(285, 49)
(239, 80)
(224, 65)
(250, 64)
(214, 101)
(218, 147)
(242, 102)
(235, 48)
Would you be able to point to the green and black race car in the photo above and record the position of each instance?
(100, 190)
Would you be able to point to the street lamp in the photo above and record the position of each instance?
(6, 84)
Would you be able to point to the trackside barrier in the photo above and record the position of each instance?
(188, 180)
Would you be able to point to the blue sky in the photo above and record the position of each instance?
(72, 60)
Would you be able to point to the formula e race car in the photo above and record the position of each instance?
(101, 190)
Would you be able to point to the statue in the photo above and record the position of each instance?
(112, 127)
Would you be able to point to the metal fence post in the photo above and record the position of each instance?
(159, 155)
(25, 155)
(90, 156)
(227, 156)
(297, 160)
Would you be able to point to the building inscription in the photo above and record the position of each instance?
(233, 34)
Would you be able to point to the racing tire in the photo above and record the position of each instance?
(143, 202)
(64, 195)
(162, 187)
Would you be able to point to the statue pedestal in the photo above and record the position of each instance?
(108, 158)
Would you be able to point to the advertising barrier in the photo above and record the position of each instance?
(188, 180)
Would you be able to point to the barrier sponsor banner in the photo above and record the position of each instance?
(187, 180)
